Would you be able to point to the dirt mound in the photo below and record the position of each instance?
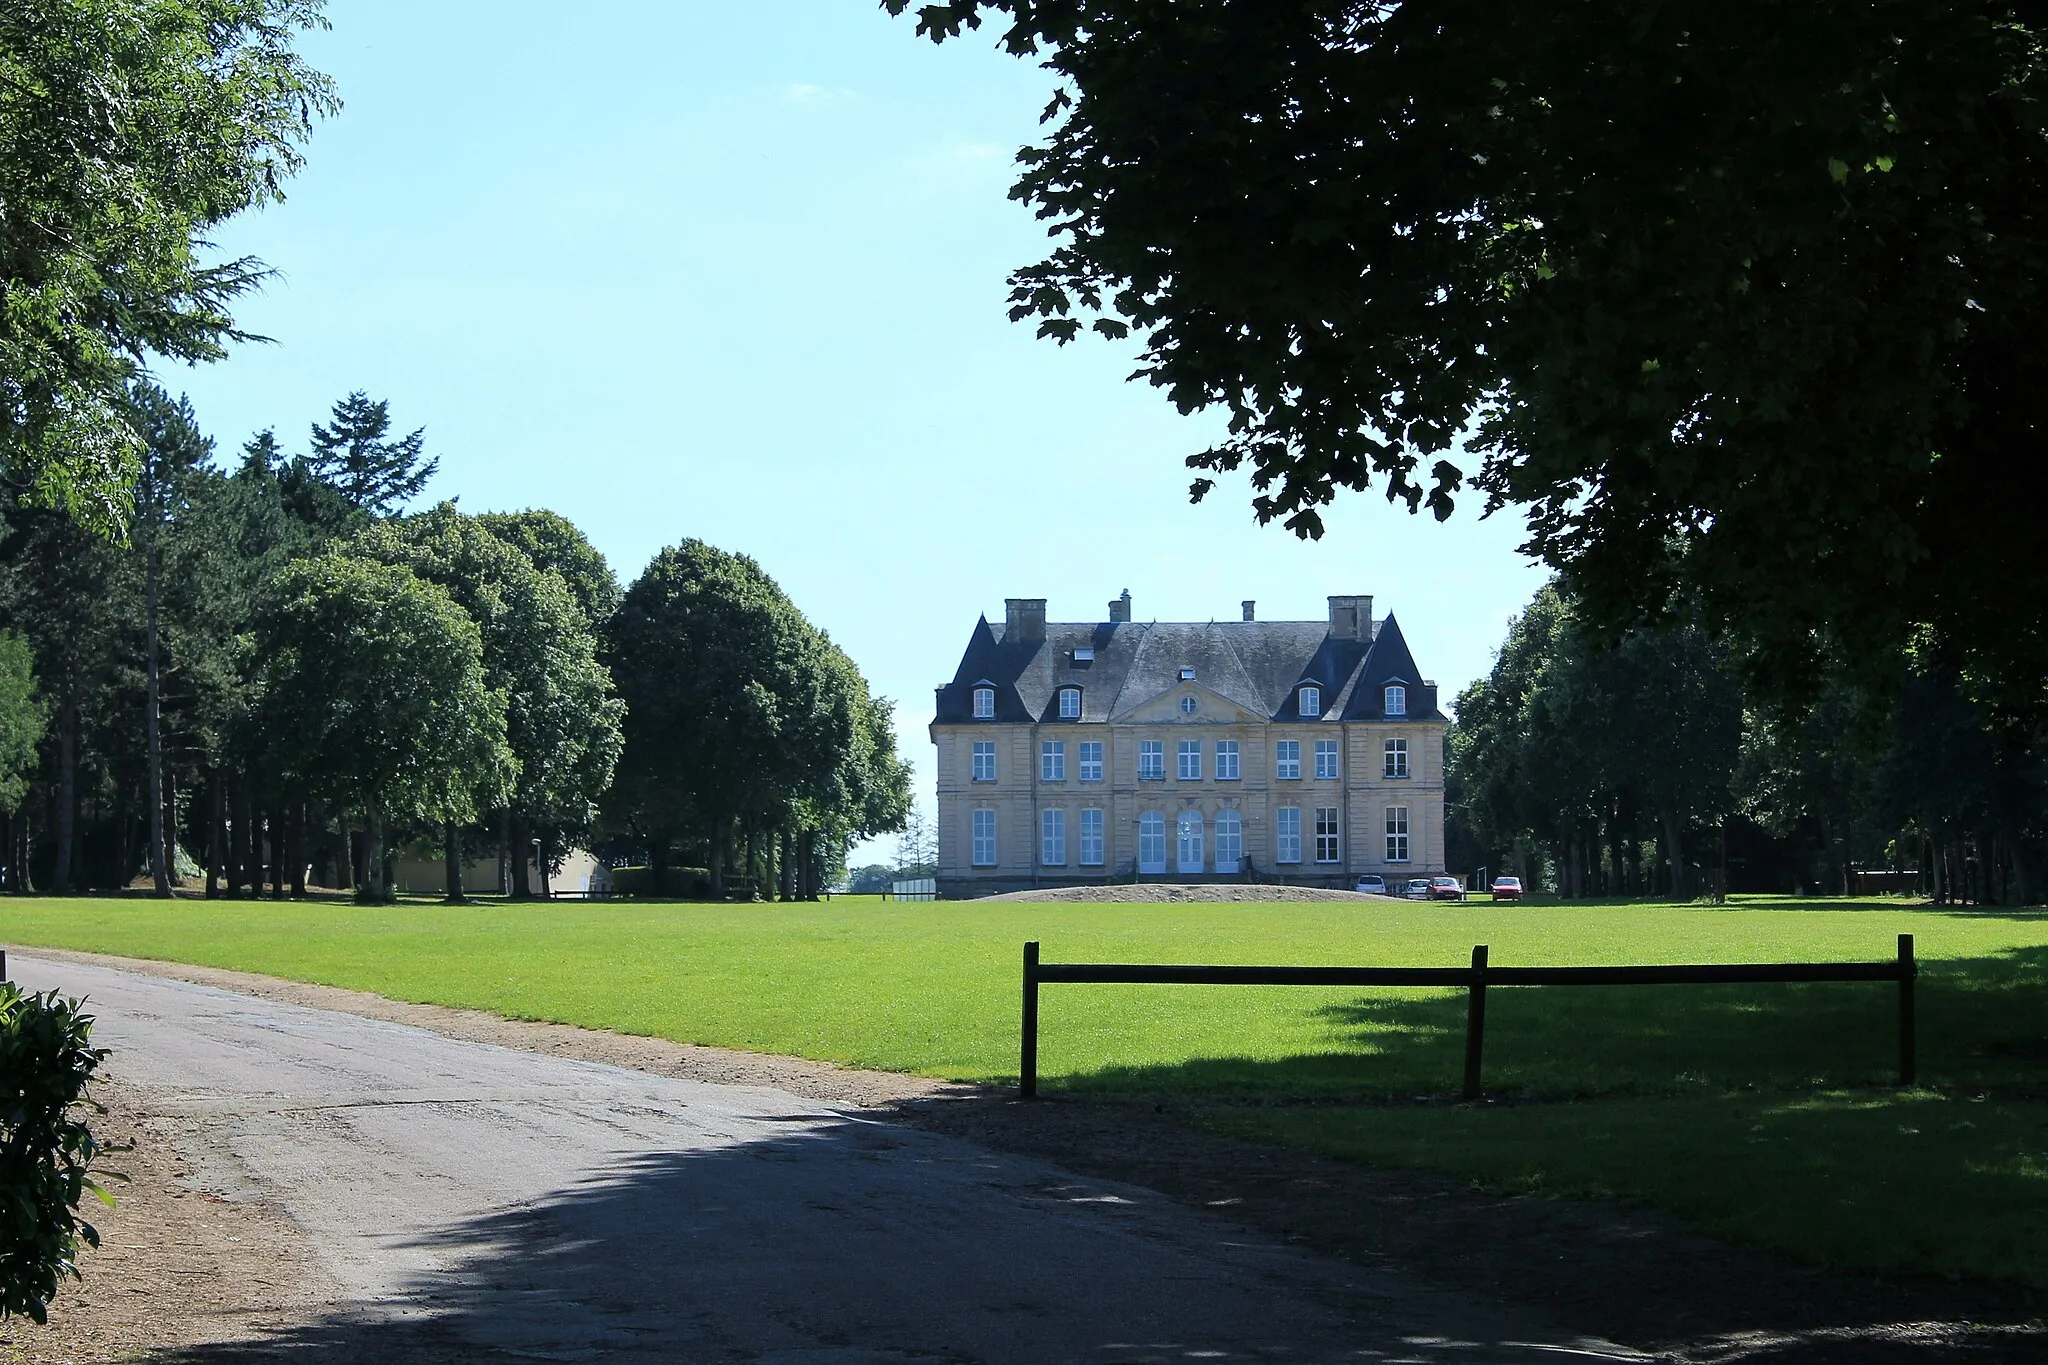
(1187, 891)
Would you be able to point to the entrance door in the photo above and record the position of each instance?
(1190, 842)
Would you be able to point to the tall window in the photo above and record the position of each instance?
(1151, 760)
(1287, 760)
(984, 760)
(1091, 760)
(1091, 838)
(1052, 761)
(1397, 759)
(1070, 703)
(1052, 837)
(983, 832)
(1287, 834)
(1191, 760)
(1326, 758)
(984, 703)
(1226, 760)
(1229, 840)
(1151, 842)
(1397, 700)
(1397, 834)
(1311, 701)
(1326, 834)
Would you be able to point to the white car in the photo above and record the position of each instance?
(1417, 889)
(1371, 885)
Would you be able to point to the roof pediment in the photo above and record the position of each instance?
(1164, 708)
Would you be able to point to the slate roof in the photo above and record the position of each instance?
(1257, 664)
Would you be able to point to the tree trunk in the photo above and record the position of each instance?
(504, 854)
(67, 794)
(22, 883)
(277, 824)
(657, 864)
(451, 862)
(152, 724)
(371, 889)
(1674, 855)
(520, 890)
(540, 862)
(295, 842)
(242, 835)
(170, 809)
(216, 833)
(718, 863)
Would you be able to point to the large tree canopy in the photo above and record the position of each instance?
(1735, 296)
(128, 128)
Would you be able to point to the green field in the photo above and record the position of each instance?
(1760, 1112)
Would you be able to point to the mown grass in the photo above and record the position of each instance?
(1761, 1112)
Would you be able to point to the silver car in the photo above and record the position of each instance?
(1417, 889)
(1371, 884)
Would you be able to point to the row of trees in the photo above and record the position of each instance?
(1659, 761)
(278, 673)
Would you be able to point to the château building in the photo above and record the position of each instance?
(1281, 751)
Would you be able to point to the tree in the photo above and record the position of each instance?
(357, 457)
(743, 722)
(374, 696)
(47, 1061)
(1728, 297)
(128, 129)
(23, 717)
(539, 652)
(552, 541)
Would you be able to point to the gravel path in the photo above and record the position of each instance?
(459, 1200)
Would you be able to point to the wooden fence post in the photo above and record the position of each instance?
(1027, 1061)
(3, 964)
(1908, 969)
(1475, 1022)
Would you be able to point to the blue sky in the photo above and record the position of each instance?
(736, 271)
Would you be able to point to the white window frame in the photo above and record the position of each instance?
(1091, 837)
(1397, 834)
(1287, 834)
(984, 760)
(1052, 760)
(1329, 835)
(1396, 697)
(1188, 761)
(1226, 760)
(1287, 760)
(1311, 701)
(1394, 763)
(984, 703)
(1151, 760)
(1229, 841)
(1070, 703)
(1326, 760)
(1152, 837)
(1188, 706)
(981, 835)
(1090, 760)
(1052, 837)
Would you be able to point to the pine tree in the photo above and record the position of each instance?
(357, 459)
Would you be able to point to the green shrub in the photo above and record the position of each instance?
(679, 883)
(46, 1150)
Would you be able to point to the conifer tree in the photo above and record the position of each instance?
(357, 457)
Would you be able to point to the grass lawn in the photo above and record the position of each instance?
(1758, 1112)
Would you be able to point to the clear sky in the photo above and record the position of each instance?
(736, 271)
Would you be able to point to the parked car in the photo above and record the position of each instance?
(1417, 889)
(1446, 889)
(1371, 884)
(1507, 888)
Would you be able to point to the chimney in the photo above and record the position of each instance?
(1023, 620)
(1120, 609)
(1250, 614)
(1351, 618)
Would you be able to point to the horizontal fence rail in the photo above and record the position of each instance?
(1475, 979)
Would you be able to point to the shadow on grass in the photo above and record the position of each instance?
(1981, 1024)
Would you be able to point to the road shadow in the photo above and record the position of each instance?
(852, 1242)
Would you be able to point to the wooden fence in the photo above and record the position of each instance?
(1475, 979)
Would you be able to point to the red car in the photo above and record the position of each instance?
(1445, 889)
(1507, 888)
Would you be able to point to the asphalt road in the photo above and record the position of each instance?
(479, 1201)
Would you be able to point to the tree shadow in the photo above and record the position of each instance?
(862, 1243)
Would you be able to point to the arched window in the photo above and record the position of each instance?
(1311, 701)
(1070, 703)
(984, 703)
(1397, 700)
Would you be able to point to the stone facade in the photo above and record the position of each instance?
(1241, 750)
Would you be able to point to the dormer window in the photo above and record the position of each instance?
(1070, 703)
(1397, 700)
(1311, 701)
(1084, 655)
(1187, 675)
(984, 703)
